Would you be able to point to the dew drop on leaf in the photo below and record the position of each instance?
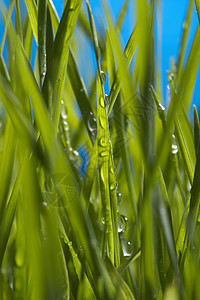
(103, 142)
(102, 220)
(103, 77)
(161, 107)
(111, 170)
(112, 186)
(19, 258)
(119, 198)
(127, 248)
(102, 103)
(104, 153)
(174, 145)
(102, 173)
(103, 122)
(92, 122)
(75, 157)
(122, 223)
(107, 99)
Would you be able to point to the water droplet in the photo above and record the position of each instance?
(102, 220)
(63, 110)
(161, 107)
(107, 99)
(44, 204)
(104, 153)
(103, 142)
(119, 198)
(102, 173)
(101, 101)
(174, 145)
(103, 77)
(65, 240)
(19, 258)
(170, 77)
(127, 247)
(62, 235)
(112, 170)
(103, 122)
(112, 186)
(72, 5)
(66, 126)
(75, 157)
(116, 83)
(168, 93)
(11, 285)
(174, 149)
(198, 218)
(92, 123)
(117, 185)
(122, 223)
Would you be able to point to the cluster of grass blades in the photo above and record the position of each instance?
(99, 195)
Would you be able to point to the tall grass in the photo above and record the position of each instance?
(99, 195)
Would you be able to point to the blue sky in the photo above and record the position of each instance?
(173, 14)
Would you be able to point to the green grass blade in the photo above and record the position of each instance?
(90, 174)
(16, 113)
(129, 261)
(123, 289)
(75, 79)
(3, 68)
(187, 83)
(185, 140)
(81, 94)
(128, 53)
(61, 47)
(198, 8)
(110, 59)
(18, 26)
(32, 12)
(194, 203)
(122, 14)
(42, 24)
(54, 16)
(184, 39)
(88, 292)
(28, 37)
(9, 214)
(196, 128)
(160, 108)
(6, 23)
(166, 224)
(114, 208)
(103, 161)
(6, 164)
(128, 87)
(95, 42)
(64, 33)
(104, 148)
